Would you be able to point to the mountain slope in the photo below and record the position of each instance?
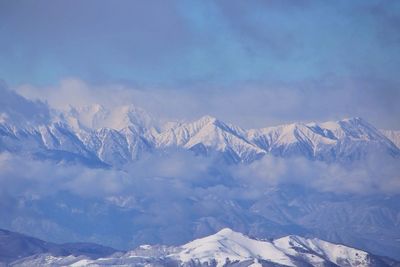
(317, 252)
(393, 136)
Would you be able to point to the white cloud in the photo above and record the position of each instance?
(181, 175)
(247, 106)
(375, 175)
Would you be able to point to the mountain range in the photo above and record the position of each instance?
(96, 136)
(224, 248)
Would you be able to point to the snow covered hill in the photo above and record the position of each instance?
(98, 136)
(225, 248)
(17, 246)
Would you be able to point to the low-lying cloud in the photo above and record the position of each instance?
(373, 175)
(175, 197)
(182, 175)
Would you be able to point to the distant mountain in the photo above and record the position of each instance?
(343, 140)
(97, 136)
(15, 246)
(225, 248)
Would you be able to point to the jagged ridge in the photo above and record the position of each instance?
(97, 136)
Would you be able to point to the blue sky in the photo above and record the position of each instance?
(183, 42)
(193, 46)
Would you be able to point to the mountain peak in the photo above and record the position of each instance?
(97, 116)
(235, 246)
(354, 120)
(225, 232)
(208, 119)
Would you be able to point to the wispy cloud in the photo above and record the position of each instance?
(248, 105)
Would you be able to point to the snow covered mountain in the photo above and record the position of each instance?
(225, 248)
(329, 141)
(209, 134)
(98, 136)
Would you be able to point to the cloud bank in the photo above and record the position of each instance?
(176, 196)
(179, 175)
